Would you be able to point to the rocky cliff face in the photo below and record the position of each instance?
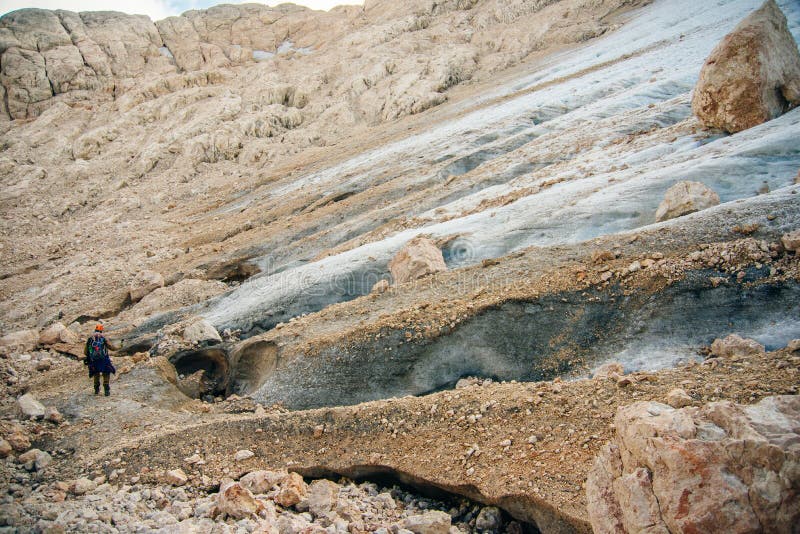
(395, 58)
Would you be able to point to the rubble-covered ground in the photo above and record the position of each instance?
(524, 447)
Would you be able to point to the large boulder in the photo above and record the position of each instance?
(678, 398)
(30, 407)
(752, 76)
(238, 502)
(428, 523)
(196, 384)
(144, 282)
(791, 241)
(81, 486)
(293, 489)
(201, 331)
(323, 496)
(57, 333)
(736, 345)
(724, 467)
(18, 440)
(420, 257)
(262, 481)
(176, 477)
(35, 459)
(490, 519)
(684, 198)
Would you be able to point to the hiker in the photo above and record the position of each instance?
(96, 352)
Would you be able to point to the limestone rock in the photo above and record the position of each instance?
(293, 523)
(243, 455)
(30, 406)
(237, 502)
(56, 52)
(144, 282)
(752, 76)
(19, 441)
(201, 331)
(381, 286)
(793, 345)
(176, 477)
(195, 385)
(678, 398)
(262, 481)
(20, 341)
(720, 468)
(428, 523)
(420, 257)
(57, 333)
(684, 198)
(5, 448)
(735, 345)
(490, 519)
(601, 256)
(53, 415)
(81, 486)
(609, 370)
(35, 459)
(194, 459)
(791, 241)
(293, 490)
(323, 495)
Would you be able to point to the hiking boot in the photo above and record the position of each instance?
(106, 390)
(97, 389)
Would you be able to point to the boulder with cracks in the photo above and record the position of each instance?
(724, 467)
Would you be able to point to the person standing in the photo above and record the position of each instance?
(98, 360)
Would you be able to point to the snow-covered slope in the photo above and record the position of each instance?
(582, 147)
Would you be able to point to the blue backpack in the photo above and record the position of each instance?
(97, 349)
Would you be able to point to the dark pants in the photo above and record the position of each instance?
(106, 377)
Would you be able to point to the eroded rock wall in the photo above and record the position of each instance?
(50, 53)
(391, 59)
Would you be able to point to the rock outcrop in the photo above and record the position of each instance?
(49, 53)
(752, 76)
(724, 467)
(684, 198)
(420, 257)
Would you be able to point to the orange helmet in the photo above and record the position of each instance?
(98, 328)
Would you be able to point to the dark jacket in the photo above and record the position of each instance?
(101, 364)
